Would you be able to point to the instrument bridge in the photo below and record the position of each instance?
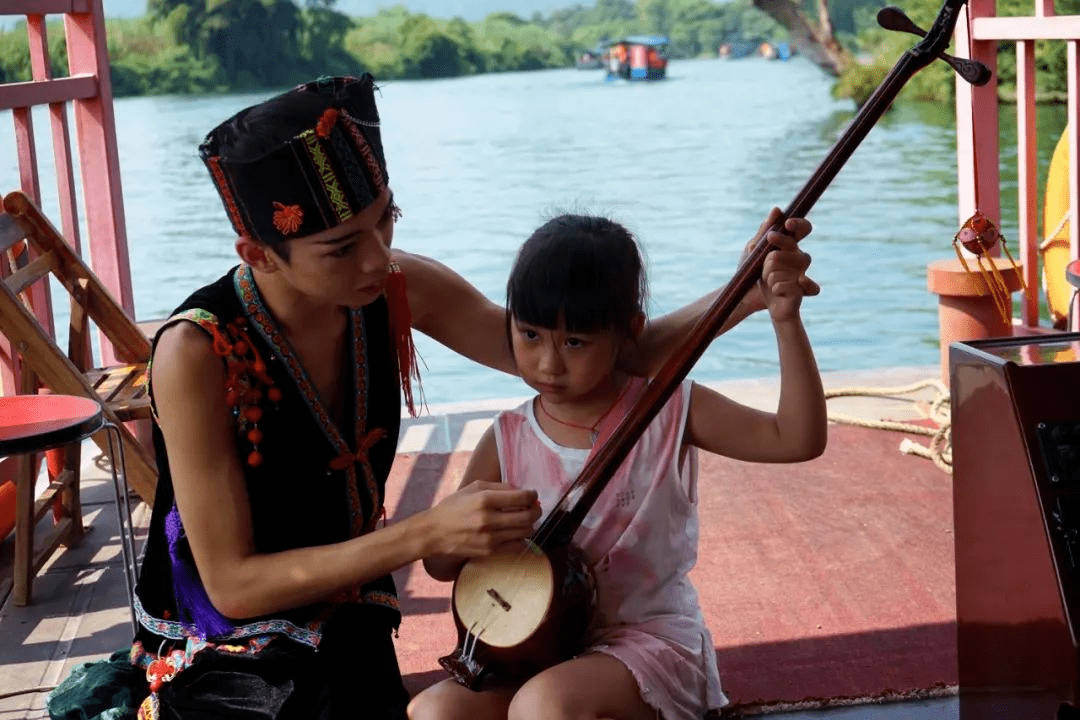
(494, 594)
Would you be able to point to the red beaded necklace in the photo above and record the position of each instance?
(593, 430)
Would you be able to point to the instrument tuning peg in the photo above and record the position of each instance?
(973, 71)
(893, 18)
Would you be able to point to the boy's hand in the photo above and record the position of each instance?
(480, 517)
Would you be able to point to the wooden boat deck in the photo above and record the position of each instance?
(827, 584)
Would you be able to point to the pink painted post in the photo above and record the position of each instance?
(61, 142)
(965, 132)
(65, 175)
(28, 183)
(27, 149)
(1027, 187)
(1073, 80)
(977, 123)
(88, 54)
(41, 68)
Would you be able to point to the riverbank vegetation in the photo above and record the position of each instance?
(936, 82)
(198, 46)
(208, 46)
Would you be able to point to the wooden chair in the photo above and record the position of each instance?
(32, 249)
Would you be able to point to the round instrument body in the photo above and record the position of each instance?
(518, 612)
(503, 598)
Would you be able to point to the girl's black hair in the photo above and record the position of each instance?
(583, 270)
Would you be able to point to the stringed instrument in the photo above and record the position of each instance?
(521, 611)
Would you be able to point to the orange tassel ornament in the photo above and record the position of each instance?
(397, 300)
(979, 236)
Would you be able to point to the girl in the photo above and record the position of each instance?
(575, 303)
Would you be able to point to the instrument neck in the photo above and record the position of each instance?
(564, 520)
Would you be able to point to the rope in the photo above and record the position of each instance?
(939, 448)
(1053, 236)
(1050, 240)
(27, 691)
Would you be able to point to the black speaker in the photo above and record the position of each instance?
(1016, 503)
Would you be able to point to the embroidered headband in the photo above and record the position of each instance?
(301, 162)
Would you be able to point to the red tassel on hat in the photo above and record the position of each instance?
(401, 332)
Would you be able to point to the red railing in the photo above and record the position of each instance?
(88, 90)
(977, 134)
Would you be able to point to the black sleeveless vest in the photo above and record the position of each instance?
(309, 483)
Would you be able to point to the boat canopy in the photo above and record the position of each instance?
(651, 40)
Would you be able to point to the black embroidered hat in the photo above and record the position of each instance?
(301, 162)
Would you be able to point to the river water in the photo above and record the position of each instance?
(691, 165)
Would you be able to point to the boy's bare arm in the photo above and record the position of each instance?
(212, 498)
(446, 307)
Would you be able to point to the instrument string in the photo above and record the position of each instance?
(510, 591)
(467, 650)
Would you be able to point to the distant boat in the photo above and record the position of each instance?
(737, 49)
(591, 59)
(637, 57)
(775, 51)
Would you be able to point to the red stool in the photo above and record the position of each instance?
(36, 423)
(1072, 274)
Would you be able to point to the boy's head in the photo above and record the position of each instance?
(582, 271)
(299, 163)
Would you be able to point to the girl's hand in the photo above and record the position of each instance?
(786, 256)
(783, 276)
(480, 517)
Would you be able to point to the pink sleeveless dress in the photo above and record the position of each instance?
(641, 539)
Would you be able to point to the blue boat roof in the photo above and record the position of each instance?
(645, 40)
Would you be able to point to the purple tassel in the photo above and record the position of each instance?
(192, 603)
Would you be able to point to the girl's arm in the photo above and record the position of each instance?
(481, 472)
(214, 506)
(798, 429)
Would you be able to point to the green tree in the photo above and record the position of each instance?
(376, 41)
(322, 40)
(428, 51)
(256, 42)
(613, 11)
(506, 17)
(658, 16)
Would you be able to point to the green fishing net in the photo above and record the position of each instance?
(103, 690)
